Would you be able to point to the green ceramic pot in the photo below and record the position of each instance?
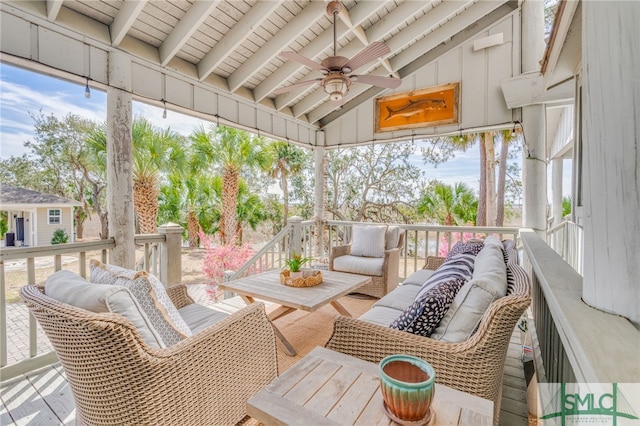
(408, 386)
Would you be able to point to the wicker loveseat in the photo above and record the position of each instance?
(474, 366)
(116, 378)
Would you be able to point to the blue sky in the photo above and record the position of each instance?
(23, 93)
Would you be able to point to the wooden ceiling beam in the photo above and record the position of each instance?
(467, 29)
(53, 8)
(236, 35)
(359, 14)
(301, 22)
(124, 20)
(184, 29)
(429, 20)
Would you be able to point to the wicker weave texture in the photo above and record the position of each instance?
(475, 366)
(381, 285)
(117, 379)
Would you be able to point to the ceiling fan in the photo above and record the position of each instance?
(335, 68)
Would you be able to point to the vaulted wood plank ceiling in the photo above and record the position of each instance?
(239, 41)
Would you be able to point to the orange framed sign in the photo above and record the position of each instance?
(432, 106)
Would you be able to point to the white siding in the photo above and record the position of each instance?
(44, 231)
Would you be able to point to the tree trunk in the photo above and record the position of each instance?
(79, 219)
(145, 204)
(502, 177)
(104, 224)
(285, 196)
(192, 228)
(481, 218)
(229, 204)
(491, 178)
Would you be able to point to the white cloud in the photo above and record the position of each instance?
(12, 144)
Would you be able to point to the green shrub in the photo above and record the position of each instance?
(59, 237)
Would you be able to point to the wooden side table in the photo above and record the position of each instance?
(330, 388)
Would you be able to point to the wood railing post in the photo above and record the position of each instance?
(171, 254)
(295, 245)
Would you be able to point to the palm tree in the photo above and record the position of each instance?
(449, 205)
(155, 153)
(287, 160)
(507, 137)
(230, 150)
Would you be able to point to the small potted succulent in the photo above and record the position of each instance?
(295, 263)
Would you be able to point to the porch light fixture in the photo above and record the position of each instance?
(87, 91)
(460, 138)
(164, 112)
(336, 86)
(513, 131)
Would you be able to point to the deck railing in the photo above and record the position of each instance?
(572, 341)
(567, 239)
(37, 262)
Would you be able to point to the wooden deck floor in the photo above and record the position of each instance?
(44, 397)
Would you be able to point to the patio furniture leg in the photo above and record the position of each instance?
(341, 309)
(277, 313)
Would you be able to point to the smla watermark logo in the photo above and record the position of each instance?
(590, 403)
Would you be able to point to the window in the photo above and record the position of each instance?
(55, 216)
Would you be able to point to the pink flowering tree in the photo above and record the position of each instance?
(218, 259)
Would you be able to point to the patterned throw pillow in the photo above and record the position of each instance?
(468, 247)
(459, 266)
(151, 295)
(426, 312)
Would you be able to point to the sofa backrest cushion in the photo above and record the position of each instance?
(70, 288)
(458, 267)
(150, 294)
(426, 312)
(368, 240)
(489, 282)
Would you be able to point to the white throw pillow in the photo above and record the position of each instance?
(391, 237)
(70, 288)
(368, 240)
(151, 295)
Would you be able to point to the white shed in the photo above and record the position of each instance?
(33, 216)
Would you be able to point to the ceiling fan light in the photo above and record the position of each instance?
(336, 88)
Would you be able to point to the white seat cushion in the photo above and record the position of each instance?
(199, 317)
(70, 288)
(400, 298)
(381, 315)
(371, 266)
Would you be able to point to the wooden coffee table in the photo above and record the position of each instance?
(267, 286)
(330, 388)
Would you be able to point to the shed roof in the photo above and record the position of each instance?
(11, 196)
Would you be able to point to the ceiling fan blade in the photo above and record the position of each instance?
(302, 59)
(368, 54)
(295, 86)
(387, 82)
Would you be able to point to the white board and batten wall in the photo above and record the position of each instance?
(481, 102)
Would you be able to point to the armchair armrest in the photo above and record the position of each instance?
(179, 296)
(433, 262)
(338, 251)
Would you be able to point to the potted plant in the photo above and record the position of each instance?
(295, 263)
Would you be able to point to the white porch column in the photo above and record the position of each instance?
(534, 167)
(611, 163)
(119, 159)
(319, 152)
(556, 190)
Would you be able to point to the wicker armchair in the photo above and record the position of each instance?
(117, 379)
(380, 285)
(475, 366)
